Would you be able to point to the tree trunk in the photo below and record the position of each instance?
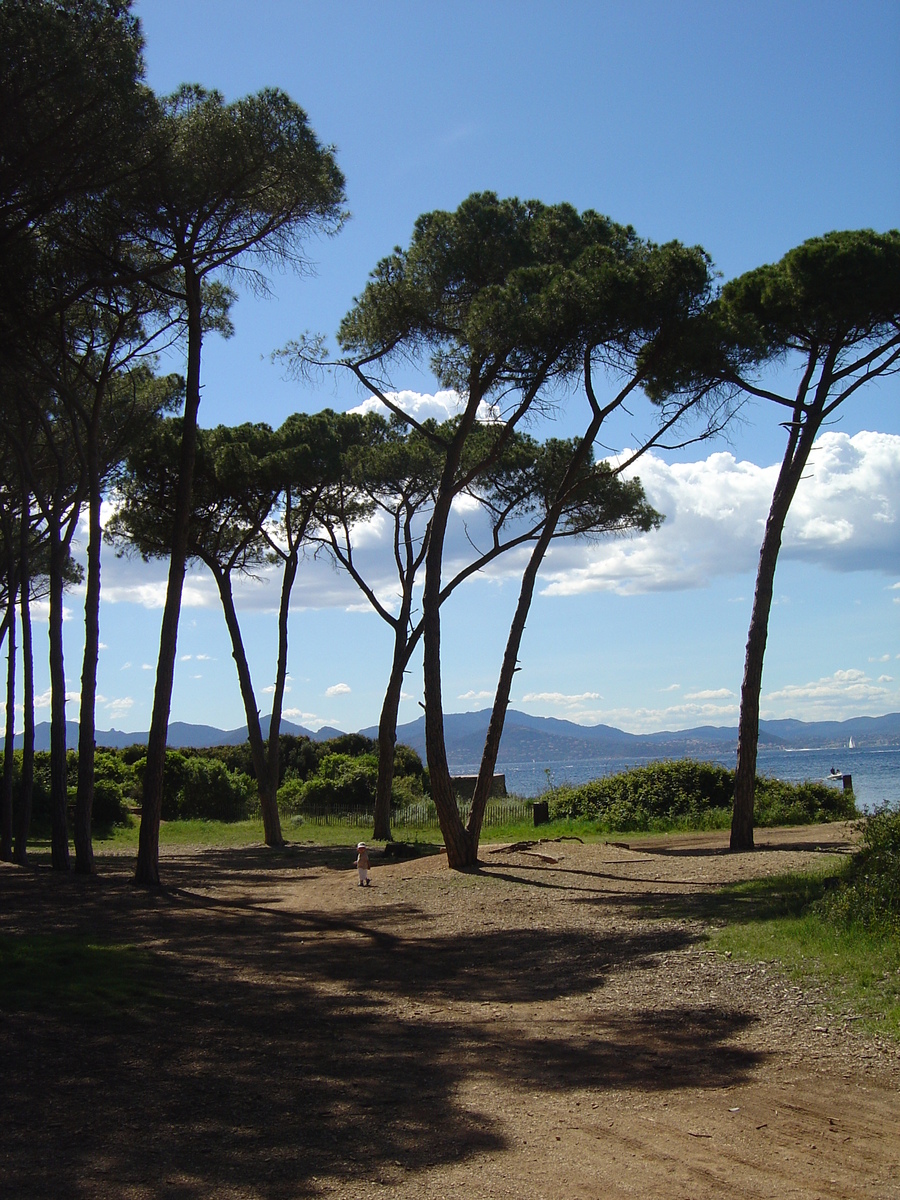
(84, 803)
(792, 467)
(23, 825)
(526, 594)
(387, 740)
(254, 729)
(9, 759)
(147, 866)
(271, 818)
(461, 851)
(59, 836)
(505, 682)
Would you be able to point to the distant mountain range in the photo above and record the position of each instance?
(541, 739)
(182, 735)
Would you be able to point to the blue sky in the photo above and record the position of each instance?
(743, 127)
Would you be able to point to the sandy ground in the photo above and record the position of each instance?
(554, 1029)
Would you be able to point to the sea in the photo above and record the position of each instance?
(875, 772)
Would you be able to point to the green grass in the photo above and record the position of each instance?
(775, 920)
(65, 972)
(228, 834)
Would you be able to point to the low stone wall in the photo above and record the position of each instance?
(464, 786)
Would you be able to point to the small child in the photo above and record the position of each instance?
(362, 864)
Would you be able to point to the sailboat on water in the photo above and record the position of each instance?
(852, 745)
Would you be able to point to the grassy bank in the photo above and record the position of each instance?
(783, 919)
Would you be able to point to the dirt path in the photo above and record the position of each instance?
(533, 1029)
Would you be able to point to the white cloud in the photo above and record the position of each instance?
(711, 694)
(845, 516)
(834, 697)
(119, 707)
(43, 700)
(338, 689)
(40, 612)
(560, 698)
(476, 696)
(421, 406)
(310, 720)
(654, 720)
(195, 594)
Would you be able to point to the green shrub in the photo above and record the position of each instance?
(197, 788)
(684, 794)
(115, 785)
(657, 796)
(869, 892)
(290, 797)
(406, 790)
(343, 781)
(110, 805)
(352, 745)
(211, 792)
(779, 803)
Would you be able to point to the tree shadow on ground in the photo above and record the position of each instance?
(276, 1047)
(739, 903)
(806, 844)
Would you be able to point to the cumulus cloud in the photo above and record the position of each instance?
(560, 698)
(845, 516)
(422, 406)
(120, 707)
(338, 689)
(43, 700)
(197, 593)
(711, 694)
(654, 720)
(833, 697)
(476, 696)
(40, 612)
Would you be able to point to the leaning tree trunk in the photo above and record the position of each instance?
(387, 723)
(84, 803)
(505, 682)
(526, 594)
(387, 740)
(239, 654)
(9, 758)
(274, 835)
(792, 467)
(59, 836)
(147, 866)
(462, 852)
(26, 782)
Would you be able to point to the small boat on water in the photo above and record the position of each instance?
(852, 745)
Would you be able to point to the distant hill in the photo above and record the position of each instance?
(541, 739)
(181, 735)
